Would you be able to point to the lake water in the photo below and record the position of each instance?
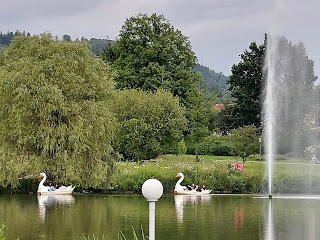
(177, 217)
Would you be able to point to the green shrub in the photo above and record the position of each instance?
(24, 186)
(218, 176)
(182, 149)
(215, 145)
(252, 182)
(238, 185)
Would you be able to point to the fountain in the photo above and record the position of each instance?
(269, 107)
(289, 106)
(290, 126)
(290, 114)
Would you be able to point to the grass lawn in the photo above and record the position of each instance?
(171, 159)
(291, 166)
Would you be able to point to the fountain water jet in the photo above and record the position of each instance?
(269, 106)
(289, 105)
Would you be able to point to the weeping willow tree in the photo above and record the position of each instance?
(54, 114)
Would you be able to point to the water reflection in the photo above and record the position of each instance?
(269, 229)
(291, 217)
(182, 200)
(45, 202)
(238, 218)
(178, 217)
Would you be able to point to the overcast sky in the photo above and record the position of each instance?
(219, 30)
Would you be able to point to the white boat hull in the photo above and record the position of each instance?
(60, 191)
(192, 192)
(56, 193)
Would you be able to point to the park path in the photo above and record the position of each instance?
(288, 163)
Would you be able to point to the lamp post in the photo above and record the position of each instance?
(152, 190)
(260, 149)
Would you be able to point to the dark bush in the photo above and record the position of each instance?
(24, 186)
(215, 145)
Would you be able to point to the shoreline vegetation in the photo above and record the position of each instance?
(215, 172)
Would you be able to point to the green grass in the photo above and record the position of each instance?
(290, 174)
(171, 159)
(121, 236)
(214, 174)
(3, 226)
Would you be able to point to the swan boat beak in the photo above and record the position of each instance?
(39, 177)
(177, 176)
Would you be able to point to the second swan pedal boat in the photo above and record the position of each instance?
(183, 190)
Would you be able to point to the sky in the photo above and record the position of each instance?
(219, 30)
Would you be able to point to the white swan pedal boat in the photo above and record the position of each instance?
(44, 190)
(183, 190)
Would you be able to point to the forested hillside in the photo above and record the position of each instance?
(213, 80)
(97, 45)
(5, 38)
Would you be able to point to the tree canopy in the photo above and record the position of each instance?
(246, 82)
(54, 114)
(245, 141)
(149, 123)
(150, 54)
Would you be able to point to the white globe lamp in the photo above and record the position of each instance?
(152, 190)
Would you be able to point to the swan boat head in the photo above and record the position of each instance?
(41, 187)
(178, 187)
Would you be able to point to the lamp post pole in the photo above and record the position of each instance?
(152, 220)
(152, 190)
(317, 117)
(260, 150)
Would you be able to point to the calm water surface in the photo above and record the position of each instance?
(177, 217)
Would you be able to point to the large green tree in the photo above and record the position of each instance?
(149, 123)
(150, 54)
(294, 80)
(245, 83)
(244, 141)
(199, 119)
(54, 114)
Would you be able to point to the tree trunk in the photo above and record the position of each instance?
(197, 157)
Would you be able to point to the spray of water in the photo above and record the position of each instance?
(288, 99)
(269, 105)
